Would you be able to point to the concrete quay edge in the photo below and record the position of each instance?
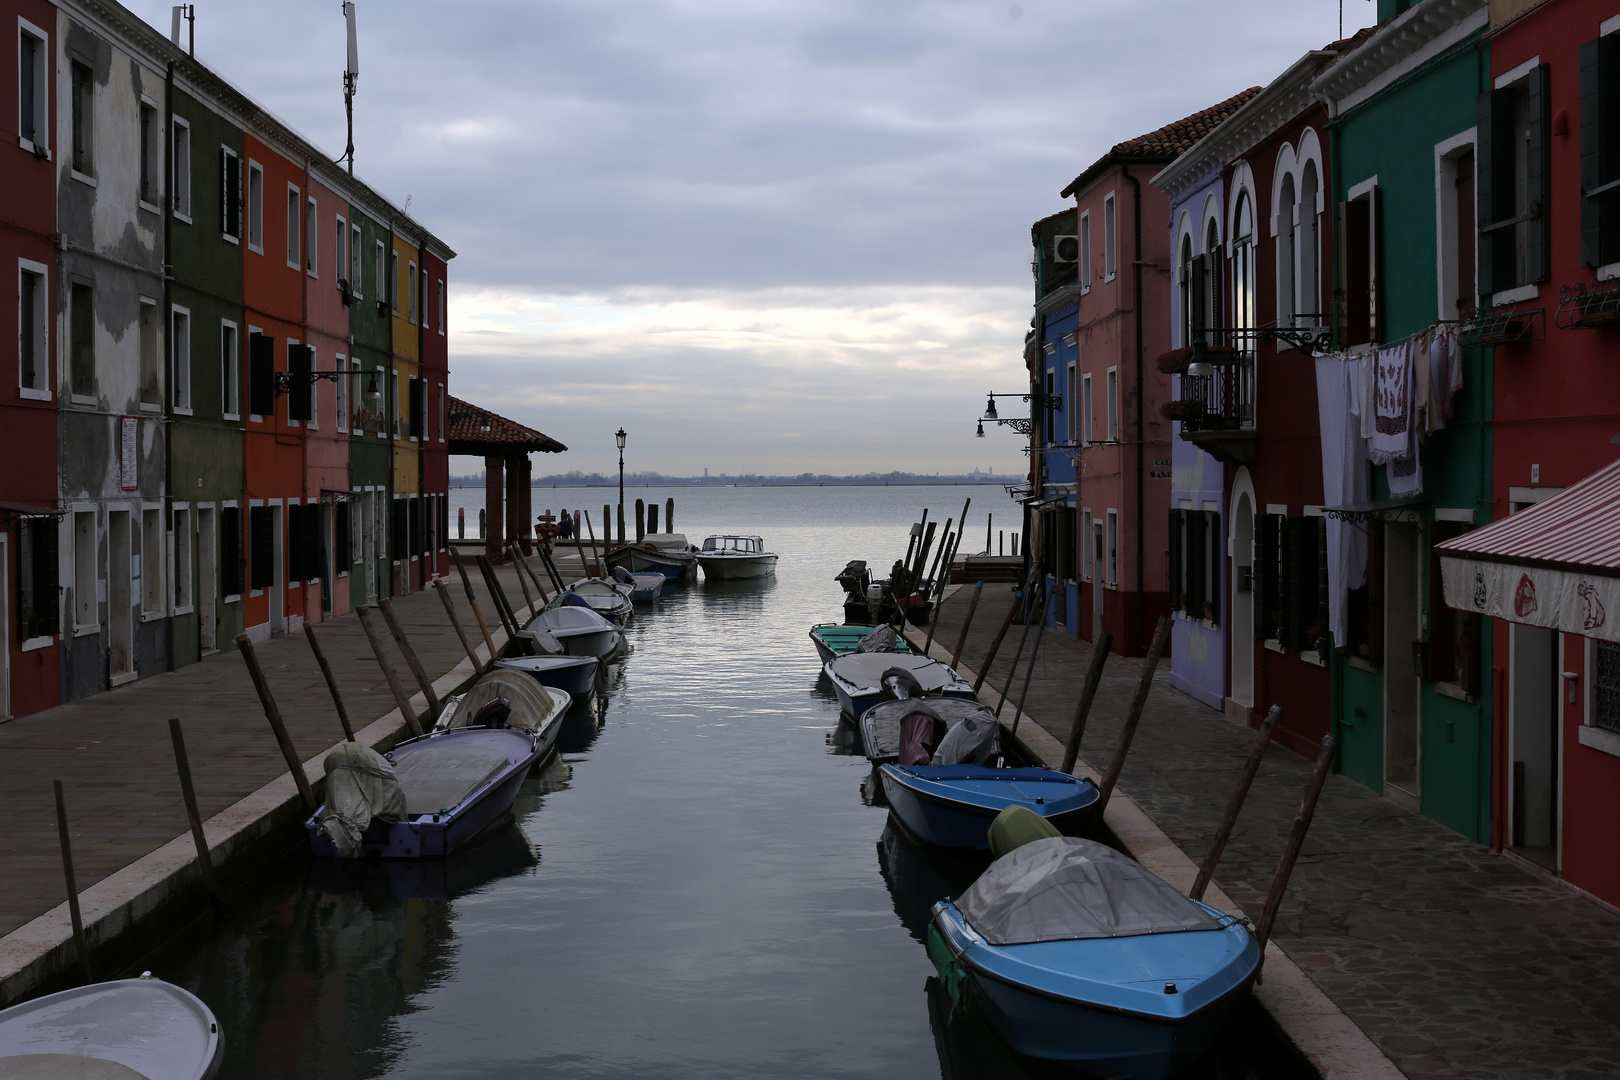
(1318, 1029)
(163, 890)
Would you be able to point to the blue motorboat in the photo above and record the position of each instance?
(858, 678)
(1079, 954)
(658, 553)
(952, 806)
(574, 675)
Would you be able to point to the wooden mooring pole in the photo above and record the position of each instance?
(390, 676)
(331, 683)
(273, 714)
(1023, 639)
(386, 606)
(1161, 638)
(72, 884)
(995, 645)
(1029, 669)
(205, 858)
(513, 555)
(1082, 709)
(525, 568)
(1296, 840)
(967, 621)
(595, 558)
(503, 607)
(455, 621)
(1217, 846)
(472, 601)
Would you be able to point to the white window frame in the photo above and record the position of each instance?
(1589, 734)
(1113, 404)
(1071, 400)
(242, 194)
(341, 394)
(81, 572)
(393, 281)
(381, 269)
(180, 165)
(42, 89)
(180, 377)
(230, 404)
(1087, 410)
(1085, 544)
(1446, 152)
(154, 583)
(1085, 274)
(340, 248)
(443, 308)
(254, 197)
(89, 114)
(1110, 236)
(182, 577)
(383, 375)
(252, 417)
(312, 243)
(295, 226)
(159, 362)
(291, 342)
(155, 150)
(313, 424)
(44, 300)
(411, 283)
(1111, 549)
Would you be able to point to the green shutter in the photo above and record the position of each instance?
(1538, 233)
(1485, 190)
(1591, 152)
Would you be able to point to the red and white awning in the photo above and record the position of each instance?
(1556, 564)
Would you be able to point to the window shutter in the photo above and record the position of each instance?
(1200, 280)
(261, 547)
(1265, 577)
(1591, 151)
(226, 211)
(300, 364)
(1485, 190)
(1177, 599)
(1375, 259)
(1323, 618)
(1537, 166)
(401, 535)
(444, 521)
(261, 376)
(240, 201)
(1212, 586)
(418, 527)
(340, 537)
(418, 407)
(1215, 282)
(295, 543)
(1292, 527)
(230, 535)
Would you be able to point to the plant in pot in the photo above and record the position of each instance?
(1190, 409)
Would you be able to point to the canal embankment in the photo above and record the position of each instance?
(1400, 949)
(137, 872)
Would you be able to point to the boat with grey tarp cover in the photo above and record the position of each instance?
(128, 1029)
(858, 678)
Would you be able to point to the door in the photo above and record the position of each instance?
(1402, 630)
(207, 580)
(1533, 778)
(1099, 572)
(5, 621)
(120, 587)
(277, 590)
(1241, 622)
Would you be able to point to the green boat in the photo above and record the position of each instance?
(834, 640)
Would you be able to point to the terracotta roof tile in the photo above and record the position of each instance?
(1169, 142)
(477, 429)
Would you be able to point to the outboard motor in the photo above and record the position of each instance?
(901, 684)
(493, 714)
(622, 576)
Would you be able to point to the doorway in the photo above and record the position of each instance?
(1402, 628)
(1099, 573)
(1241, 628)
(207, 581)
(5, 623)
(120, 631)
(1533, 779)
(276, 590)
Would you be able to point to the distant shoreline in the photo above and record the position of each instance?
(780, 484)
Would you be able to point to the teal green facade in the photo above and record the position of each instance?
(1395, 137)
(371, 459)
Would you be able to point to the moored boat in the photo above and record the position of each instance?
(127, 1029)
(534, 707)
(731, 558)
(573, 675)
(833, 640)
(858, 678)
(657, 553)
(580, 631)
(952, 806)
(609, 599)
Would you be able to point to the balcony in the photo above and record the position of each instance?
(1216, 411)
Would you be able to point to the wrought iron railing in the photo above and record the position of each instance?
(1224, 399)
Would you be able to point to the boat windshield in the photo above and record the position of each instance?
(741, 545)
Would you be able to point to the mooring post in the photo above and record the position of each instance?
(188, 794)
(390, 676)
(277, 725)
(386, 606)
(652, 517)
(1262, 740)
(1023, 639)
(72, 884)
(995, 645)
(595, 558)
(551, 570)
(1082, 709)
(455, 620)
(1029, 669)
(641, 520)
(472, 601)
(967, 621)
(331, 683)
(498, 597)
(540, 589)
(1161, 638)
(1296, 840)
(940, 581)
(669, 514)
(514, 555)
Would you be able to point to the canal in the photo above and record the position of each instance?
(695, 888)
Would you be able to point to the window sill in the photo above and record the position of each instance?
(178, 411)
(147, 407)
(83, 399)
(34, 643)
(229, 239)
(234, 598)
(257, 249)
(1608, 273)
(184, 609)
(184, 219)
(34, 395)
(122, 680)
(231, 416)
(1314, 658)
(1361, 665)
(204, 654)
(29, 146)
(150, 208)
(1604, 741)
(1454, 691)
(1276, 646)
(151, 616)
(1514, 296)
(83, 178)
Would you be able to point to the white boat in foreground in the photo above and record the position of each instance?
(127, 1029)
(727, 558)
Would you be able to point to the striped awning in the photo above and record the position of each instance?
(1555, 565)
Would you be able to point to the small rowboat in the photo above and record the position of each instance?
(581, 631)
(952, 806)
(645, 588)
(127, 1029)
(858, 678)
(834, 640)
(609, 599)
(575, 675)
(658, 553)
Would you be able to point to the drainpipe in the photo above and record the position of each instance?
(303, 443)
(421, 372)
(168, 330)
(1141, 431)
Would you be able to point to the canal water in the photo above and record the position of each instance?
(696, 888)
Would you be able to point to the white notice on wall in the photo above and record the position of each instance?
(128, 458)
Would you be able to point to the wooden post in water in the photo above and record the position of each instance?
(450, 609)
(967, 621)
(497, 597)
(386, 606)
(277, 725)
(188, 794)
(1082, 709)
(594, 556)
(390, 676)
(1023, 639)
(641, 520)
(551, 569)
(1161, 638)
(995, 646)
(72, 884)
(1296, 840)
(940, 586)
(472, 601)
(331, 683)
(524, 567)
(669, 514)
(515, 556)
(652, 517)
(1029, 669)
(1262, 740)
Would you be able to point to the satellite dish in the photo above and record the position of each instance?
(352, 72)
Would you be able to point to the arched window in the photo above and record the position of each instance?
(1310, 246)
(1243, 263)
(1287, 300)
(1212, 279)
(1187, 285)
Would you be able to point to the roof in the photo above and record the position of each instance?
(1577, 529)
(474, 430)
(1163, 144)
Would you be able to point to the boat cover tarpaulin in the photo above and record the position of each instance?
(532, 706)
(1555, 565)
(972, 740)
(880, 725)
(1067, 889)
(867, 669)
(360, 785)
(438, 778)
(881, 640)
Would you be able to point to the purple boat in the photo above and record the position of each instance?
(425, 798)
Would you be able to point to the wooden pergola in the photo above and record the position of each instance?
(505, 446)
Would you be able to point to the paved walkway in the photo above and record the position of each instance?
(114, 757)
(1455, 961)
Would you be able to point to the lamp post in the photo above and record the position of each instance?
(618, 437)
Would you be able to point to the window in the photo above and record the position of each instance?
(1452, 651)
(1454, 225)
(393, 282)
(442, 409)
(1209, 299)
(342, 543)
(293, 251)
(180, 358)
(151, 163)
(1287, 253)
(381, 275)
(1086, 562)
(261, 375)
(1359, 268)
(1113, 404)
(1512, 166)
(1308, 242)
(341, 364)
(39, 609)
(340, 249)
(1188, 282)
(230, 183)
(230, 359)
(314, 397)
(1112, 551)
(300, 388)
(255, 214)
(33, 88)
(82, 88)
(261, 547)
(1195, 563)
(230, 553)
(85, 608)
(1600, 151)
(151, 392)
(396, 389)
(33, 330)
(1068, 564)
(182, 169)
(1605, 685)
(356, 256)
(1085, 252)
(312, 245)
(1050, 417)
(411, 285)
(182, 558)
(152, 595)
(379, 408)
(1290, 581)
(1085, 409)
(1243, 310)
(81, 340)
(418, 417)
(1071, 403)
(443, 312)
(1110, 240)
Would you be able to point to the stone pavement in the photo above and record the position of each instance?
(114, 757)
(1455, 961)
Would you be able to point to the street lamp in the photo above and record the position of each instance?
(618, 437)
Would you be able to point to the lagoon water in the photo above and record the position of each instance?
(695, 890)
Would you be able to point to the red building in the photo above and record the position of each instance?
(326, 428)
(31, 679)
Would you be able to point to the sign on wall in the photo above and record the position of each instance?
(129, 457)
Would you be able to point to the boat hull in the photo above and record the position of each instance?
(833, 640)
(575, 679)
(950, 817)
(855, 702)
(146, 1026)
(673, 565)
(736, 567)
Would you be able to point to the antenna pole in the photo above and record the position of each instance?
(348, 109)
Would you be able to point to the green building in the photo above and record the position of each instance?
(371, 447)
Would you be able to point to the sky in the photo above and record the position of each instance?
(768, 236)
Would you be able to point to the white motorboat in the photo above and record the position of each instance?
(141, 1027)
(580, 631)
(727, 558)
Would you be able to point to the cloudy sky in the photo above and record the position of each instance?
(761, 235)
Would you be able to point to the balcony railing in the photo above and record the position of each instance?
(1216, 411)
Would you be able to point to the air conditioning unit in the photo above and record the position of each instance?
(1066, 249)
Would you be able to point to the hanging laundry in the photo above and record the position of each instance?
(1365, 372)
(1406, 474)
(1425, 399)
(1454, 383)
(1439, 378)
(1345, 479)
(1392, 402)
